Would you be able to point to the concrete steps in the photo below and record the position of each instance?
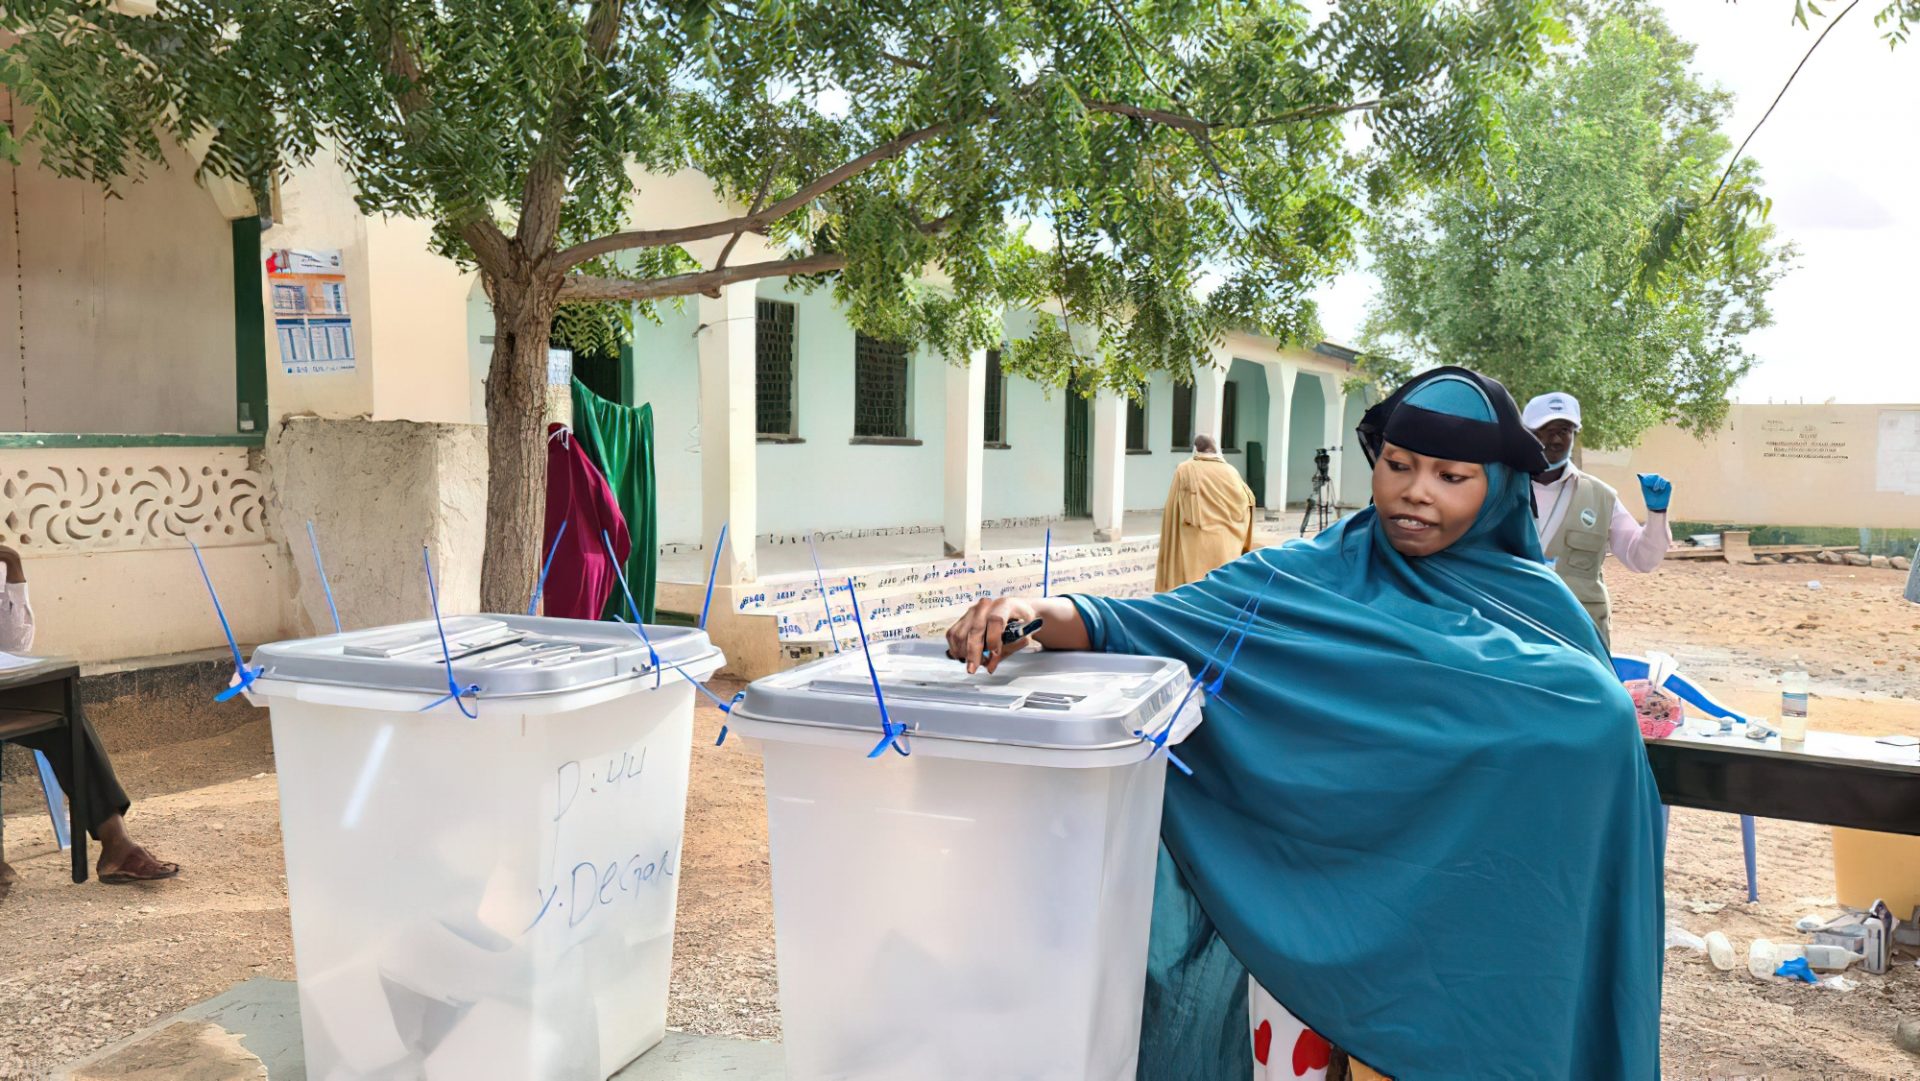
(911, 600)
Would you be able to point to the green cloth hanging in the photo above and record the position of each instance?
(619, 439)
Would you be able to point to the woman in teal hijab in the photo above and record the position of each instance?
(1419, 812)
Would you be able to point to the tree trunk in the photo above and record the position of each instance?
(516, 442)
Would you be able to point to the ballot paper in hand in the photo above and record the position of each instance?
(14, 660)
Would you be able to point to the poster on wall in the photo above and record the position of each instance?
(310, 315)
(559, 367)
(1898, 458)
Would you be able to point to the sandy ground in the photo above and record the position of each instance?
(84, 966)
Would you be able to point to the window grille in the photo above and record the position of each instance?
(880, 392)
(773, 342)
(1183, 416)
(996, 400)
(1137, 420)
(1230, 416)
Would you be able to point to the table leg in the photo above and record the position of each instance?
(77, 810)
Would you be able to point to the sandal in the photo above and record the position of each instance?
(142, 867)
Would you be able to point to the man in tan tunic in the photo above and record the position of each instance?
(1208, 521)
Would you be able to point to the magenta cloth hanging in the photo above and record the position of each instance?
(583, 577)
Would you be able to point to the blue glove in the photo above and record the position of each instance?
(1657, 490)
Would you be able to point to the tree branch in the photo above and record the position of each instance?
(1784, 87)
(476, 226)
(1128, 35)
(1157, 116)
(758, 219)
(544, 193)
(753, 222)
(759, 200)
(587, 289)
(1310, 112)
(603, 27)
(906, 62)
(584, 289)
(1181, 120)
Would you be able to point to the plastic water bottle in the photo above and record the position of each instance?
(1794, 687)
(1764, 958)
(1825, 958)
(1720, 951)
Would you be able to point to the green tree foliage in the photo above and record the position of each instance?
(1540, 275)
(1156, 144)
(1894, 20)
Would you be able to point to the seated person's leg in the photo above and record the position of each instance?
(121, 860)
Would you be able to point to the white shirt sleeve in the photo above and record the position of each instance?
(16, 618)
(1639, 548)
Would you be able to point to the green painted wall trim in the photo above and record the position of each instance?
(64, 440)
(1887, 542)
(249, 329)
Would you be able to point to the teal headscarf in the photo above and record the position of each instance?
(1420, 812)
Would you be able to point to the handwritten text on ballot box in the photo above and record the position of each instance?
(482, 886)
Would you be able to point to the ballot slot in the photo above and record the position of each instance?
(927, 691)
(465, 637)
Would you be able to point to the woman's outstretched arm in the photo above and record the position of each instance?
(975, 636)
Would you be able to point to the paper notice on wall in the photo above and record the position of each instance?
(1897, 460)
(559, 367)
(1800, 442)
(310, 316)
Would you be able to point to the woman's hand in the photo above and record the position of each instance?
(976, 635)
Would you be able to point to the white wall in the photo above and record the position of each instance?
(826, 482)
(116, 314)
(104, 535)
(1783, 465)
(1252, 420)
(315, 211)
(419, 323)
(666, 374)
(416, 315)
(1149, 475)
(1356, 480)
(1030, 479)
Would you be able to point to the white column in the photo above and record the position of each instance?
(1109, 464)
(728, 490)
(965, 470)
(1279, 432)
(1336, 436)
(1209, 392)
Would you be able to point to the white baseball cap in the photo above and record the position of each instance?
(1556, 405)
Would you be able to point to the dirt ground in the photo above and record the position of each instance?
(85, 966)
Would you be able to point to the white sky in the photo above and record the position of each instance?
(1841, 159)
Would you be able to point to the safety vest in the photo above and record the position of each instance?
(1579, 550)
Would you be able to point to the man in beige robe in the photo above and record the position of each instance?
(1208, 521)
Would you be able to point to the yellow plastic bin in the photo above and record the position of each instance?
(1871, 866)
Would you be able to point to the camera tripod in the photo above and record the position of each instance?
(1320, 511)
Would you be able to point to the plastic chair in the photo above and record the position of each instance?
(56, 801)
(1632, 668)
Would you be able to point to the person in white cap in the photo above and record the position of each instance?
(1581, 518)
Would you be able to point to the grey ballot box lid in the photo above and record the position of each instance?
(1057, 701)
(506, 656)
